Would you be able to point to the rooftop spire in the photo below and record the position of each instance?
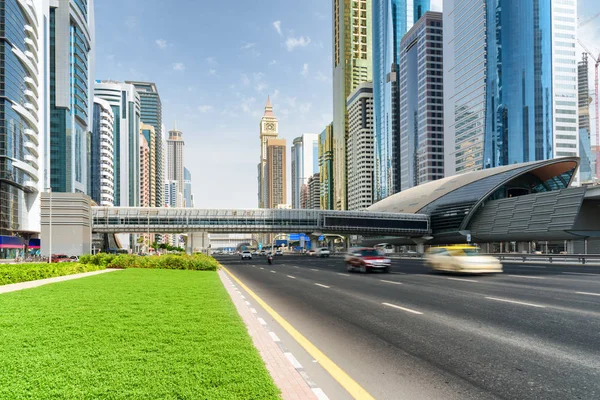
(269, 108)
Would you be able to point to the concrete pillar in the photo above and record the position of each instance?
(523, 247)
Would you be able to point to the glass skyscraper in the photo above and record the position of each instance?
(391, 20)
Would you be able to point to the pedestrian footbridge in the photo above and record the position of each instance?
(187, 220)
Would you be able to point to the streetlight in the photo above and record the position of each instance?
(49, 189)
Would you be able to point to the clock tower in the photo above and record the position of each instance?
(269, 129)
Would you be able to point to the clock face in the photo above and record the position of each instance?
(270, 126)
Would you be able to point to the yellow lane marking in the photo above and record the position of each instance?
(351, 386)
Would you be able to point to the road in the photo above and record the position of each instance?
(532, 332)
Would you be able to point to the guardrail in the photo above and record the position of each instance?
(550, 258)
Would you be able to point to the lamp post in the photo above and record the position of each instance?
(49, 189)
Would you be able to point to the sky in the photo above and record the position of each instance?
(216, 61)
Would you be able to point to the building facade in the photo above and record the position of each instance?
(509, 82)
(305, 163)
(171, 193)
(326, 167)
(101, 168)
(188, 197)
(125, 104)
(23, 126)
(175, 164)
(276, 172)
(587, 164)
(269, 129)
(151, 114)
(391, 20)
(144, 172)
(71, 65)
(421, 103)
(352, 65)
(150, 135)
(360, 155)
(314, 192)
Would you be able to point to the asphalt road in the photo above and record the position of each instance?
(532, 332)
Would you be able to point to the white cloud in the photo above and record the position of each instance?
(291, 43)
(437, 5)
(304, 70)
(212, 61)
(275, 94)
(161, 43)
(247, 102)
(131, 22)
(304, 108)
(260, 87)
(246, 46)
(205, 108)
(212, 71)
(179, 67)
(277, 26)
(245, 80)
(322, 77)
(272, 62)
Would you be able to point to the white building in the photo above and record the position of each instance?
(101, 167)
(305, 163)
(175, 166)
(359, 147)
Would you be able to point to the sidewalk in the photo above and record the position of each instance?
(13, 287)
(286, 376)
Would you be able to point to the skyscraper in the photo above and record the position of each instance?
(276, 172)
(351, 67)
(391, 20)
(305, 163)
(421, 108)
(151, 114)
(144, 172)
(359, 157)
(150, 136)
(269, 129)
(101, 168)
(71, 30)
(187, 188)
(23, 126)
(326, 167)
(587, 164)
(509, 82)
(175, 145)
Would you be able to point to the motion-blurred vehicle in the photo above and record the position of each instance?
(323, 252)
(311, 252)
(246, 255)
(74, 258)
(462, 259)
(262, 253)
(367, 259)
(60, 258)
(279, 253)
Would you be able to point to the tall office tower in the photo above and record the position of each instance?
(23, 126)
(101, 168)
(187, 188)
(360, 157)
(351, 67)
(150, 135)
(276, 172)
(151, 114)
(144, 172)
(421, 103)
(501, 108)
(269, 128)
(391, 20)
(125, 104)
(175, 145)
(305, 163)
(588, 159)
(326, 167)
(314, 192)
(71, 41)
(171, 193)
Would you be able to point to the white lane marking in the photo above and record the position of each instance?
(398, 273)
(262, 321)
(295, 266)
(274, 337)
(243, 296)
(312, 269)
(515, 302)
(253, 310)
(527, 266)
(247, 303)
(395, 283)
(320, 394)
(463, 280)
(273, 272)
(402, 308)
(580, 273)
(293, 277)
(254, 266)
(261, 268)
(527, 277)
(293, 360)
(342, 274)
(588, 294)
(325, 286)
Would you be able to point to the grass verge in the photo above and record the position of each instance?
(132, 334)
(15, 273)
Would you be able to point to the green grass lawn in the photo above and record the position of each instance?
(132, 334)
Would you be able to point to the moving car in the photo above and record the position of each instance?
(263, 253)
(278, 253)
(323, 252)
(463, 259)
(311, 252)
(246, 255)
(367, 259)
(60, 258)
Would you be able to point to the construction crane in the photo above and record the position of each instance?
(596, 108)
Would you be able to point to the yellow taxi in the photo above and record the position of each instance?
(463, 259)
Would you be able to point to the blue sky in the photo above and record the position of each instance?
(215, 62)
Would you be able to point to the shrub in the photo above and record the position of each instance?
(197, 262)
(15, 273)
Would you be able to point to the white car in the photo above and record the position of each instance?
(461, 259)
(323, 252)
(246, 255)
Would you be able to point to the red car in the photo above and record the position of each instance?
(60, 258)
(367, 259)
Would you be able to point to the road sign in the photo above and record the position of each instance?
(468, 238)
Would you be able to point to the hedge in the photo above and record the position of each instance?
(197, 262)
(15, 273)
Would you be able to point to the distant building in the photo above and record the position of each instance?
(149, 135)
(587, 165)
(305, 163)
(175, 168)
(421, 108)
(187, 188)
(314, 192)
(101, 187)
(269, 128)
(326, 167)
(144, 172)
(360, 158)
(171, 191)
(276, 172)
